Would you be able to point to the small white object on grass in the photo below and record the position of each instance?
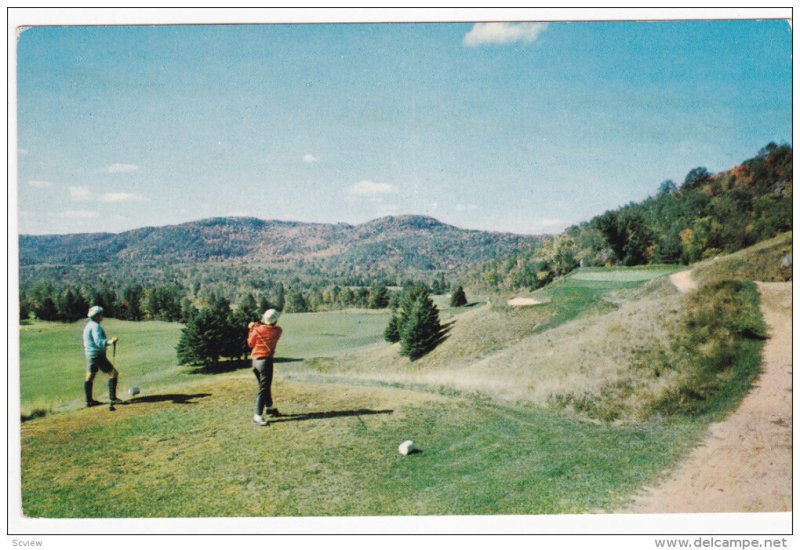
(134, 391)
(406, 447)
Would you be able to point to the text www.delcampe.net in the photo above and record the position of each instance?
(712, 542)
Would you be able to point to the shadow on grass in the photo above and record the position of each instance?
(327, 414)
(236, 364)
(178, 398)
(38, 413)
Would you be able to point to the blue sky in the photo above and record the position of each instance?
(508, 127)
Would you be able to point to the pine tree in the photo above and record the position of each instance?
(248, 309)
(263, 305)
(132, 303)
(421, 330)
(46, 310)
(24, 307)
(296, 302)
(458, 298)
(200, 340)
(378, 297)
(392, 332)
(280, 299)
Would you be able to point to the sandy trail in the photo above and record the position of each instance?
(745, 462)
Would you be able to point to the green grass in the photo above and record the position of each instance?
(630, 274)
(308, 335)
(52, 364)
(207, 459)
(188, 448)
(594, 290)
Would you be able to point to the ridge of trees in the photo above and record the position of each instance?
(707, 215)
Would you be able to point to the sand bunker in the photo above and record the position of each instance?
(517, 302)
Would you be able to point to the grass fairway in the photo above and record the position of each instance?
(332, 333)
(197, 454)
(52, 364)
(621, 275)
(591, 291)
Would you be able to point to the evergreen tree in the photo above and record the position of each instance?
(296, 302)
(104, 297)
(392, 332)
(378, 297)
(263, 305)
(249, 310)
(238, 320)
(421, 329)
(458, 298)
(72, 306)
(187, 310)
(131, 307)
(46, 310)
(25, 308)
(212, 333)
(202, 340)
(280, 298)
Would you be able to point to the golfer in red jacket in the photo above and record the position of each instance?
(263, 338)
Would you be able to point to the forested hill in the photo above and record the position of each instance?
(392, 244)
(704, 216)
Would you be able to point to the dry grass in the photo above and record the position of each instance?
(760, 262)
(500, 352)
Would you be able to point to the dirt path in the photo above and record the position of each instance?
(745, 463)
(682, 280)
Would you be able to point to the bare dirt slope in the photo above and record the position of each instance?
(745, 462)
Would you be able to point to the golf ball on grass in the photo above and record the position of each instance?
(406, 447)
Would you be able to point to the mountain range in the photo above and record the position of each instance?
(392, 243)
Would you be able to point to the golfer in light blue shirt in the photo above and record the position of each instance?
(95, 344)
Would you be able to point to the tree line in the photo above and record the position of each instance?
(705, 216)
(176, 303)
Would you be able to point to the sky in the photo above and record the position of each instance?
(518, 127)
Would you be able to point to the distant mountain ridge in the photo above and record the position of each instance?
(390, 243)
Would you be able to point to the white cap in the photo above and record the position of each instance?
(270, 317)
(94, 311)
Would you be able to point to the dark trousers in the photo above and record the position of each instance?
(262, 368)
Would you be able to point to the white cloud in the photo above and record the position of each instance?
(79, 193)
(308, 158)
(120, 197)
(22, 152)
(366, 188)
(120, 167)
(39, 184)
(466, 207)
(503, 33)
(83, 214)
